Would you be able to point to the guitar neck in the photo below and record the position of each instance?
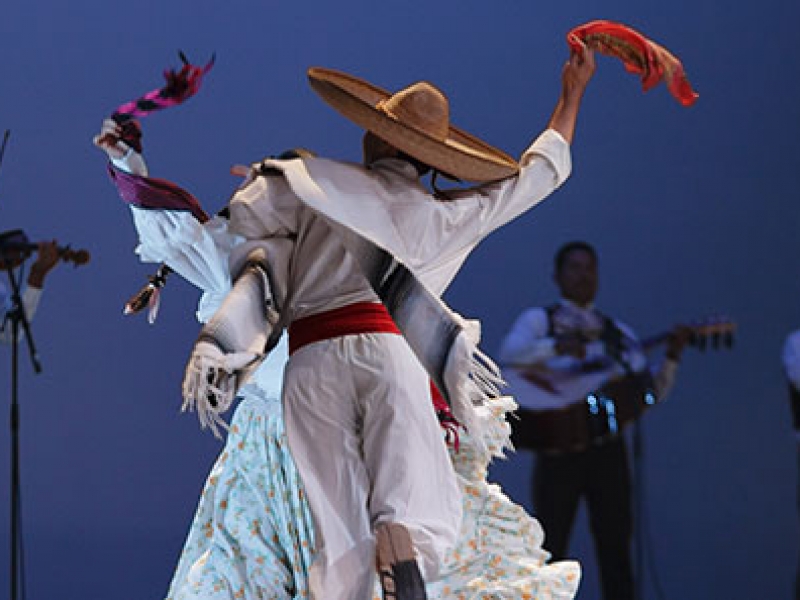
(715, 331)
(655, 340)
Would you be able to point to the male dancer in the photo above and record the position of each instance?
(363, 434)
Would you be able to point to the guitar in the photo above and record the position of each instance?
(570, 410)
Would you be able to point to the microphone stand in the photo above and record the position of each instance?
(17, 318)
(614, 348)
(639, 508)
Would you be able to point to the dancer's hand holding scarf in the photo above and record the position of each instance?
(120, 133)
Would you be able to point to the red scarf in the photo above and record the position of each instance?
(639, 55)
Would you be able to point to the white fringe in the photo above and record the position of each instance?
(473, 383)
(242, 323)
(210, 383)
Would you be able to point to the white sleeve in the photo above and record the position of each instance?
(526, 343)
(197, 252)
(30, 302)
(633, 354)
(664, 373)
(132, 162)
(439, 235)
(544, 166)
(478, 211)
(791, 358)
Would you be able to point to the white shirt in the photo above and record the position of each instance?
(387, 204)
(199, 252)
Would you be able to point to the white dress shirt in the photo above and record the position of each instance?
(387, 204)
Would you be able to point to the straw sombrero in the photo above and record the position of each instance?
(415, 120)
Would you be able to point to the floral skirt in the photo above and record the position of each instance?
(253, 538)
(499, 553)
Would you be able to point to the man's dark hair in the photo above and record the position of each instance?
(563, 252)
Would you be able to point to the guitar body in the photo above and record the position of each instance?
(598, 416)
(562, 411)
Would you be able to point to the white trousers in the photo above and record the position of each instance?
(369, 449)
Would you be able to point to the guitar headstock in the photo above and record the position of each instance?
(712, 332)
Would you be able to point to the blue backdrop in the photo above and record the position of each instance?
(693, 211)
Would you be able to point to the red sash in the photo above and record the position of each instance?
(353, 319)
(362, 317)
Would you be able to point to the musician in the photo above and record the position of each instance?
(47, 255)
(570, 350)
(791, 365)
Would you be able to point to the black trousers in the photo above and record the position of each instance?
(601, 475)
(797, 573)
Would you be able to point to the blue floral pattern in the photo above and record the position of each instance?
(252, 536)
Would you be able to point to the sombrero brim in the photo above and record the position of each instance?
(460, 154)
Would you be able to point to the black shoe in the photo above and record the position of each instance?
(397, 568)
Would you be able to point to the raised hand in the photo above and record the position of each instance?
(46, 258)
(110, 139)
